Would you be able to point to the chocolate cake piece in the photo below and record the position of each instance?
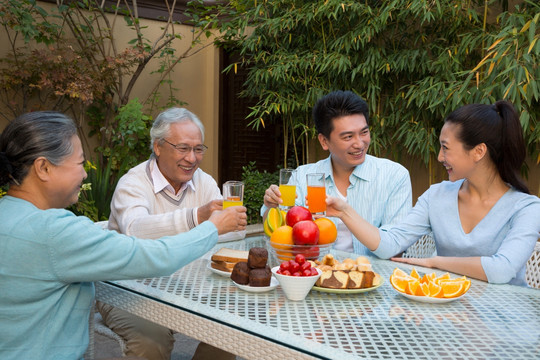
(240, 273)
(368, 279)
(257, 258)
(260, 276)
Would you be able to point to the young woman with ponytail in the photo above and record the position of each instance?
(484, 222)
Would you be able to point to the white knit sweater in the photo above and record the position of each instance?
(137, 210)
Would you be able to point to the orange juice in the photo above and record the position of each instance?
(288, 194)
(232, 201)
(316, 197)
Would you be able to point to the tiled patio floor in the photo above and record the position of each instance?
(184, 347)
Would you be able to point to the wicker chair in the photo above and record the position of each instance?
(423, 248)
(532, 274)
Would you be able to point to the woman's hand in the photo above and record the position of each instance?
(335, 207)
(425, 262)
(230, 219)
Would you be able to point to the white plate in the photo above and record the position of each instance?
(427, 299)
(257, 289)
(219, 272)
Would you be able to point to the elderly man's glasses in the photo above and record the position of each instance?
(185, 149)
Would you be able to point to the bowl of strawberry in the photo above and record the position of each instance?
(296, 277)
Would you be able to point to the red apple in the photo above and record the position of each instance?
(309, 252)
(305, 232)
(312, 252)
(296, 214)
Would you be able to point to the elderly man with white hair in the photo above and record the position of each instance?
(164, 195)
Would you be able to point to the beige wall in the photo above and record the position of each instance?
(196, 78)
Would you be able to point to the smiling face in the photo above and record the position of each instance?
(67, 177)
(175, 167)
(348, 142)
(458, 161)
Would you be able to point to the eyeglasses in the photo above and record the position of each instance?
(185, 149)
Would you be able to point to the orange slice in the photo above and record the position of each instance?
(415, 274)
(422, 290)
(451, 288)
(411, 287)
(399, 282)
(400, 273)
(427, 278)
(466, 286)
(442, 277)
(435, 290)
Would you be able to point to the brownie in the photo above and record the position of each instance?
(240, 273)
(257, 258)
(260, 276)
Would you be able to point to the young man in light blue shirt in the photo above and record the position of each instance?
(378, 189)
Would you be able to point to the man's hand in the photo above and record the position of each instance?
(230, 219)
(204, 212)
(272, 197)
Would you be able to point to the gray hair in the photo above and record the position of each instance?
(162, 124)
(32, 135)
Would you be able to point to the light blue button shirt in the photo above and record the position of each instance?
(380, 191)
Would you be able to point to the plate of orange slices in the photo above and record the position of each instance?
(429, 288)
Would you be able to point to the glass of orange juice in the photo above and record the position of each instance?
(233, 194)
(316, 193)
(287, 188)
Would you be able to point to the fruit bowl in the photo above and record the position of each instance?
(283, 252)
(296, 288)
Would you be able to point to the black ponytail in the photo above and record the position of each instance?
(512, 153)
(499, 128)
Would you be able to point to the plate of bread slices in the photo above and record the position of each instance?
(350, 276)
(223, 261)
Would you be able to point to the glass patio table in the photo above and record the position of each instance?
(489, 322)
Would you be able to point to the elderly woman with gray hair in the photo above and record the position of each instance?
(50, 258)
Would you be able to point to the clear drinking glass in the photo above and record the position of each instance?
(233, 194)
(287, 188)
(316, 193)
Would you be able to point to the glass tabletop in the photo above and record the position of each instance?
(490, 321)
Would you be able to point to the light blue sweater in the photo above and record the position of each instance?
(504, 238)
(48, 261)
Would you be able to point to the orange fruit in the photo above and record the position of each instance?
(438, 279)
(435, 290)
(400, 273)
(466, 286)
(415, 274)
(327, 230)
(399, 283)
(422, 290)
(282, 239)
(411, 287)
(427, 278)
(451, 288)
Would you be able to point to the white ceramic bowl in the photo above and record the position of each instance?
(295, 287)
